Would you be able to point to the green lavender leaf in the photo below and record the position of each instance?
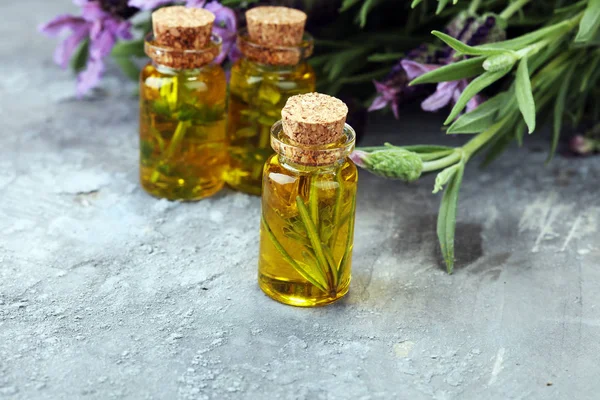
(525, 95)
(528, 38)
(476, 86)
(366, 77)
(501, 61)
(131, 48)
(441, 5)
(420, 148)
(572, 7)
(446, 223)
(382, 57)
(347, 4)
(128, 67)
(466, 49)
(559, 108)
(520, 132)
(452, 72)
(80, 57)
(590, 22)
(480, 118)
(443, 177)
(415, 3)
(367, 6)
(592, 67)
(346, 62)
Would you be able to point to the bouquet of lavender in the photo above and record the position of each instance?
(502, 67)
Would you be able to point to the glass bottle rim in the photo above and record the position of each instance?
(325, 154)
(304, 49)
(153, 49)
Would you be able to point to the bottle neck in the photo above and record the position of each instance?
(164, 69)
(291, 165)
(181, 59)
(275, 55)
(302, 157)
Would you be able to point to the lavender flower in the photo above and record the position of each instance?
(226, 27)
(445, 92)
(148, 4)
(394, 89)
(100, 26)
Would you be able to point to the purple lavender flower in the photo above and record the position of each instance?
(101, 27)
(394, 89)
(584, 146)
(445, 92)
(225, 26)
(148, 4)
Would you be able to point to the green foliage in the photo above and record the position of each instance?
(466, 49)
(80, 57)
(452, 72)
(446, 224)
(128, 67)
(589, 23)
(477, 85)
(525, 95)
(480, 118)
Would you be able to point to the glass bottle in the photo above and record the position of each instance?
(269, 72)
(307, 227)
(183, 144)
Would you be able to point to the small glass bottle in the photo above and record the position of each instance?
(308, 204)
(272, 69)
(183, 143)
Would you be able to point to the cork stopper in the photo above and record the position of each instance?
(276, 26)
(314, 124)
(182, 37)
(314, 119)
(182, 28)
(275, 36)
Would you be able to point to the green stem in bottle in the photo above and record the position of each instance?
(337, 208)
(348, 246)
(315, 241)
(177, 138)
(313, 201)
(173, 147)
(289, 259)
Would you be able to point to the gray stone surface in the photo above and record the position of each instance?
(106, 292)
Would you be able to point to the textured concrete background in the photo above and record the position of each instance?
(106, 292)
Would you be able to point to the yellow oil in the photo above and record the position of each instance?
(307, 232)
(183, 141)
(258, 92)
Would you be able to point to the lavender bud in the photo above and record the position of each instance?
(394, 163)
(500, 61)
(582, 145)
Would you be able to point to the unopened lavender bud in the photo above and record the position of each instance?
(394, 163)
(500, 61)
(582, 145)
